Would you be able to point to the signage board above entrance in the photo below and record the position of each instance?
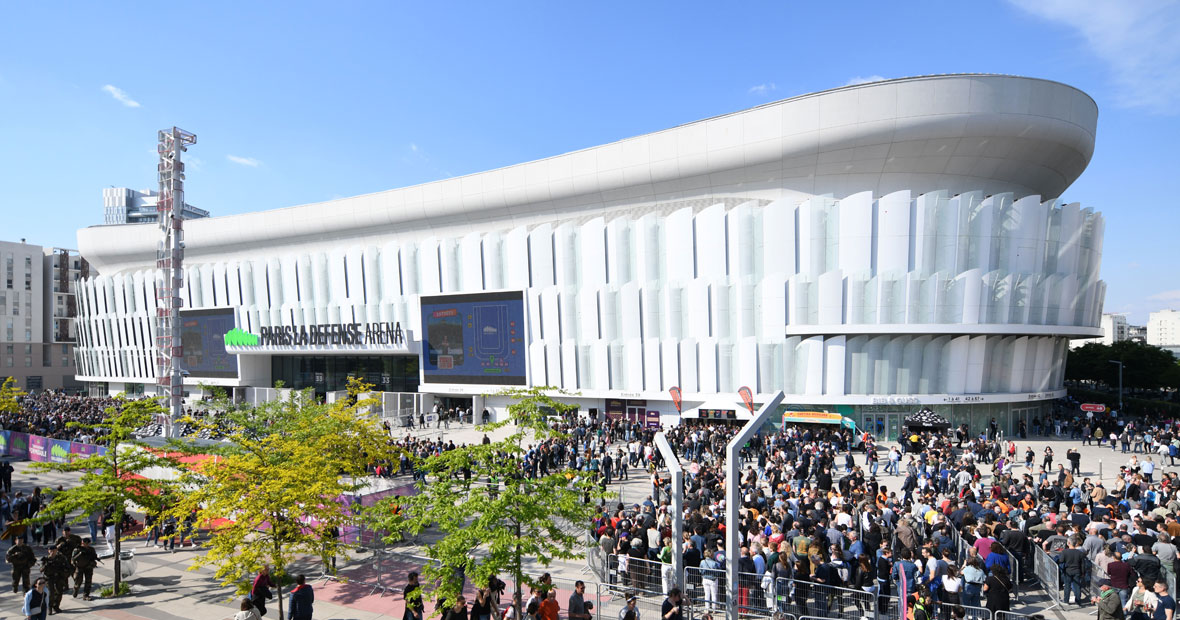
(1095, 407)
(323, 337)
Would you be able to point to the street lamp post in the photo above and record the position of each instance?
(1120, 383)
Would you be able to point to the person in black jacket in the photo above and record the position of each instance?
(301, 600)
(1073, 567)
(1147, 565)
(884, 571)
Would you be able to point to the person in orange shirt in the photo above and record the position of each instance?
(549, 609)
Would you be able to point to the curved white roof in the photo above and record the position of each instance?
(966, 132)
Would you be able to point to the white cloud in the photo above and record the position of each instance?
(864, 80)
(763, 89)
(413, 147)
(120, 96)
(193, 163)
(1136, 39)
(1168, 296)
(244, 161)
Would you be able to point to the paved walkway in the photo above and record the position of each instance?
(165, 590)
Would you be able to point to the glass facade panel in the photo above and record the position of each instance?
(329, 373)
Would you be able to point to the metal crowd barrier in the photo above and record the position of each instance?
(596, 559)
(638, 574)
(808, 599)
(708, 592)
(1011, 615)
(1047, 571)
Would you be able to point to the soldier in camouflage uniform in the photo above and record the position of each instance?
(85, 558)
(57, 570)
(22, 559)
(68, 542)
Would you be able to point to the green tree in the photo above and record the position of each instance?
(1144, 366)
(508, 516)
(115, 479)
(10, 395)
(280, 482)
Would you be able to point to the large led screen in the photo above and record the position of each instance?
(202, 333)
(474, 339)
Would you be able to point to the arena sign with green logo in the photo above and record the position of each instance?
(238, 338)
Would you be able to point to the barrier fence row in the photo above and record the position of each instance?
(764, 596)
(962, 553)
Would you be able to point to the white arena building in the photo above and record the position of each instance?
(869, 250)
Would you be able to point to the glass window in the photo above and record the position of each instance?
(8, 349)
(28, 361)
(28, 349)
(8, 362)
(65, 349)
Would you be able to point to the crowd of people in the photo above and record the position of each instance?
(956, 528)
(50, 413)
(819, 531)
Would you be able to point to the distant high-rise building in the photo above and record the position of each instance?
(122, 205)
(1114, 329)
(37, 314)
(1163, 328)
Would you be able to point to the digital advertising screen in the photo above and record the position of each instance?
(475, 338)
(202, 334)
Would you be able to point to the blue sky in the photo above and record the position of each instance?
(302, 102)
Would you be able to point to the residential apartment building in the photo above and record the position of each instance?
(122, 205)
(37, 315)
(1163, 328)
(1114, 329)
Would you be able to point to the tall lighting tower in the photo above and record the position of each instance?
(169, 268)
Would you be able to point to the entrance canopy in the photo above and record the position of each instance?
(925, 419)
(717, 410)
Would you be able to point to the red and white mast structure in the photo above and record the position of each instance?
(170, 269)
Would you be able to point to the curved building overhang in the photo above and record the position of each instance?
(958, 133)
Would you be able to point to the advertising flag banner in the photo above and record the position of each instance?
(4, 442)
(747, 397)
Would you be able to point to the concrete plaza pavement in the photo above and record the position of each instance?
(164, 588)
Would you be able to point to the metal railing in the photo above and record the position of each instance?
(638, 574)
(1046, 570)
(597, 561)
(961, 554)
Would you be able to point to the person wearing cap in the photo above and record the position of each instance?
(631, 607)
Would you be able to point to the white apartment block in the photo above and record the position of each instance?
(1163, 328)
(1114, 329)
